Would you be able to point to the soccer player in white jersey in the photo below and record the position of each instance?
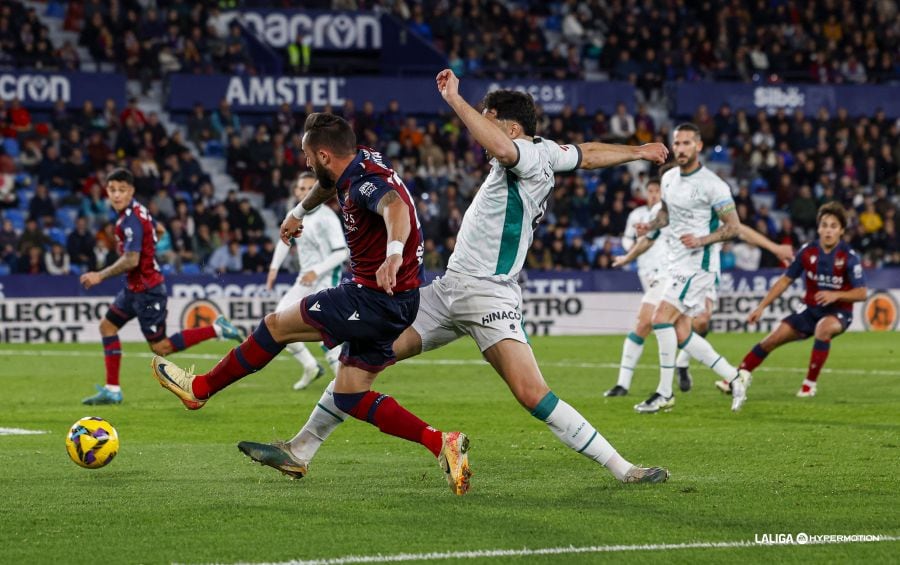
(479, 295)
(699, 210)
(651, 252)
(321, 252)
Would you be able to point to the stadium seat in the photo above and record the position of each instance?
(572, 233)
(168, 269)
(190, 269)
(57, 235)
(76, 269)
(25, 197)
(65, 218)
(4, 269)
(11, 147)
(17, 217)
(55, 10)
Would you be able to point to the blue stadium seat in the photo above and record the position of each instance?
(25, 197)
(187, 197)
(572, 233)
(168, 269)
(4, 269)
(76, 269)
(57, 235)
(190, 269)
(65, 218)
(17, 217)
(56, 10)
(11, 146)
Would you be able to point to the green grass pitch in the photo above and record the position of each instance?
(179, 490)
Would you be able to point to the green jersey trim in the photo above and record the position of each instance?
(512, 226)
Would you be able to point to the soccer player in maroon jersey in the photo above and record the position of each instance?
(366, 315)
(144, 295)
(834, 280)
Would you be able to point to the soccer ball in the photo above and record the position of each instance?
(92, 442)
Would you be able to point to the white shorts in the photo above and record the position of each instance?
(653, 291)
(688, 292)
(455, 305)
(299, 291)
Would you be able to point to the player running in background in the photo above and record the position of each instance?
(479, 295)
(834, 280)
(321, 252)
(144, 295)
(651, 253)
(694, 203)
(366, 315)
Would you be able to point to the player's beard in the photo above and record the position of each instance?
(690, 162)
(323, 175)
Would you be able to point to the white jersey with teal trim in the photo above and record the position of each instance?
(692, 201)
(498, 227)
(651, 264)
(322, 235)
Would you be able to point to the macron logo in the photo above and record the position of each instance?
(315, 308)
(354, 316)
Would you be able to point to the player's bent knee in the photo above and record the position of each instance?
(107, 328)
(162, 348)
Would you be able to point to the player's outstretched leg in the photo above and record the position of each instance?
(293, 457)
(382, 411)
(514, 361)
(250, 356)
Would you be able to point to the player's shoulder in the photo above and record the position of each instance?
(374, 163)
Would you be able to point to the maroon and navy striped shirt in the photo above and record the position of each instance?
(838, 270)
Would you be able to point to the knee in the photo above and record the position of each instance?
(701, 324)
(643, 327)
(824, 332)
(530, 395)
(107, 328)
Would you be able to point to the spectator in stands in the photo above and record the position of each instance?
(225, 259)
(869, 219)
(225, 123)
(41, 207)
(199, 127)
(32, 236)
(621, 125)
(80, 245)
(95, 207)
(19, 117)
(56, 260)
(31, 262)
(204, 243)
(254, 261)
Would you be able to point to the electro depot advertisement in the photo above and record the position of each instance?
(38, 309)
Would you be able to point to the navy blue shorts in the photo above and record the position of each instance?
(805, 322)
(366, 321)
(149, 307)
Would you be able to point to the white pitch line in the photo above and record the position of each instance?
(525, 552)
(20, 432)
(556, 364)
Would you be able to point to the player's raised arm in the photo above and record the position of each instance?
(784, 253)
(488, 135)
(639, 248)
(396, 220)
(595, 155)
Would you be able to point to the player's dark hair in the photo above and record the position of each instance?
(832, 209)
(688, 126)
(121, 175)
(654, 180)
(513, 105)
(330, 132)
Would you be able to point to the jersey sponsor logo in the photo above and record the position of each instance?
(367, 189)
(198, 314)
(880, 312)
(834, 281)
(353, 317)
(315, 307)
(500, 315)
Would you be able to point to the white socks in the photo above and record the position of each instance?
(668, 349)
(323, 420)
(700, 349)
(573, 430)
(333, 358)
(302, 355)
(683, 361)
(631, 354)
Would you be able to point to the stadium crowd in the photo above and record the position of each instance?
(781, 166)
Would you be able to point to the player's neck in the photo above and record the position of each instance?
(690, 169)
(826, 248)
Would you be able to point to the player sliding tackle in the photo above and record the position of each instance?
(366, 315)
(695, 201)
(479, 295)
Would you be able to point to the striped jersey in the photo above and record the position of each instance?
(839, 269)
(693, 201)
(498, 227)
